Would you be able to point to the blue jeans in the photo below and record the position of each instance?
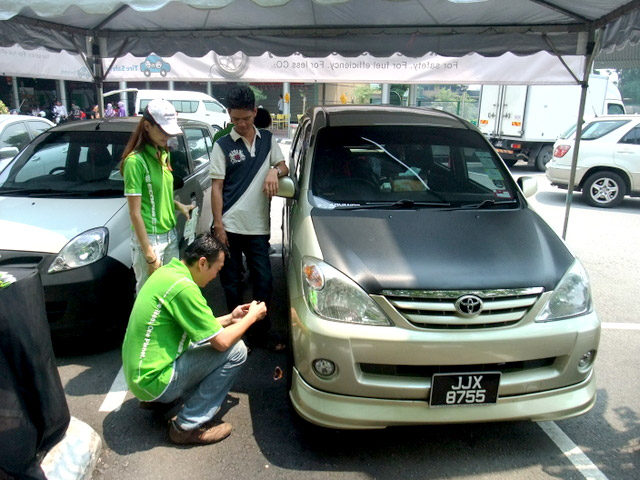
(203, 376)
(256, 250)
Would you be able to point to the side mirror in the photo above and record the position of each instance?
(286, 187)
(178, 183)
(528, 185)
(8, 152)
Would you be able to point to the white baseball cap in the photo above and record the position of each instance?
(164, 114)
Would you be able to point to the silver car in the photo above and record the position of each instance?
(422, 288)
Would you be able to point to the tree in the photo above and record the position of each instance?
(257, 93)
(629, 85)
(363, 93)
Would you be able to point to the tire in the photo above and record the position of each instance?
(544, 155)
(604, 189)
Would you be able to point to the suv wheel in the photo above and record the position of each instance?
(604, 189)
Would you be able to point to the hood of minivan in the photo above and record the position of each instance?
(442, 249)
(32, 224)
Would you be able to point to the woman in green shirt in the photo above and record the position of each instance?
(148, 186)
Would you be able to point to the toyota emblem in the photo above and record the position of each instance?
(469, 305)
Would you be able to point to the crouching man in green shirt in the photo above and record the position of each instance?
(175, 348)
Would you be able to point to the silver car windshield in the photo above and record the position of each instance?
(408, 166)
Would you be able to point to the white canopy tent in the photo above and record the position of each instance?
(99, 29)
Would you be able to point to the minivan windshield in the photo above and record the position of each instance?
(68, 164)
(408, 167)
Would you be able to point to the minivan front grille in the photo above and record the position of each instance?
(427, 371)
(463, 310)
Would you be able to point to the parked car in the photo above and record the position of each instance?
(16, 131)
(64, 213)
(422, 287)
(608, 165)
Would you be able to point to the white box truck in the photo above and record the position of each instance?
(523, 121)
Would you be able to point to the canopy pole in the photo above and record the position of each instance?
(590, 56)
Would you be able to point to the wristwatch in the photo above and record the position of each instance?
(277, 169)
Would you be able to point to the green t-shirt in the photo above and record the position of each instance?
(146, 177)
(169, 313)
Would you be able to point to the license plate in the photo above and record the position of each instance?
(464, 389)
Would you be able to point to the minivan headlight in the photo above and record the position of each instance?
(86, 248)
(332, 295)
(572, 296)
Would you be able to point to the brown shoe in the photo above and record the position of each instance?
(199, 436)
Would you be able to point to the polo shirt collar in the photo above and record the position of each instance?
(235, 136)
(152, 150)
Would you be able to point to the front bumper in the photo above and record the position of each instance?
(90, 299)
(95, 297)
(383, 374)
(347, 412)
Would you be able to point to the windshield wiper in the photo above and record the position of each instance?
(31, 191)
(400, 204)
(488, 204)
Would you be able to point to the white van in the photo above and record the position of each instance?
(190, 105)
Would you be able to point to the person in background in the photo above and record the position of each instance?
(148, 186)
(59, 112)
(95, 112)
(176, 351)
(245, 167)
(122, 110)
(263, 118)
(76, 113)
(109, 112)
(280, 105)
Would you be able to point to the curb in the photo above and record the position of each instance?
(75, 456)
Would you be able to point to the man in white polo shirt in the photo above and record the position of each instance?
(245, 167)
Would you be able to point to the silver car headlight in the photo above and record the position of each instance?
(332, 295)
(86, 248)
(572, 296)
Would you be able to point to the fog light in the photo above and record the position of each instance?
(324, 367)
(587, 359)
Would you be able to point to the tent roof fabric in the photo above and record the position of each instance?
(320, 27)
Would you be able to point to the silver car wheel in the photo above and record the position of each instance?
(604, 190)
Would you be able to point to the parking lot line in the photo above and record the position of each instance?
(572, 451)
(116, 395)
(620, 326)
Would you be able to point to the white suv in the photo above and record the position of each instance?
(608, 161)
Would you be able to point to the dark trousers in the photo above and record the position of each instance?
(256, 250)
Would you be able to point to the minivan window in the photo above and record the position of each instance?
(213, 106)
(181, 106)
(600, 128)
(414, 165)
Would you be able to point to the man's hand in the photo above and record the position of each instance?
(270, 186)
(259, 309)
(220, 233)
(239, 312)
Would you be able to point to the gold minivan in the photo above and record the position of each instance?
(422, 288)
